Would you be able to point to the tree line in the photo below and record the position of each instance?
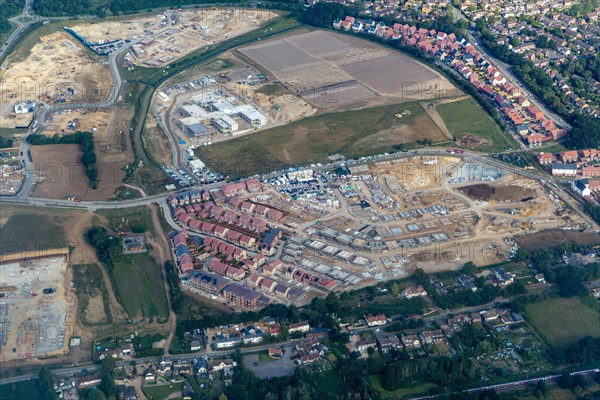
(8, 9)
(6, 142)
(85, 140)
(108, 8)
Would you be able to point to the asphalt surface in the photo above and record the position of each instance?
(21, 26)
(23, 196)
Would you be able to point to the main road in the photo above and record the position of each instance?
(24, 197)
(114, 62)
(21, 26)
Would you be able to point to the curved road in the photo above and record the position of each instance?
(24, 195)
(21, 26)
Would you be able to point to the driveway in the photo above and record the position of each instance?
(272, 368)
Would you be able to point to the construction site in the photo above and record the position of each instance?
(69, 121)
(56, 70)
(160, 39)
(190, 109)
(113, 150)
(434, 213)
(337, 72)
(37, 307)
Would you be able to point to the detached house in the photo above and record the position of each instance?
(376, 320)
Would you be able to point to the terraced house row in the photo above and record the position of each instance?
(458, 54)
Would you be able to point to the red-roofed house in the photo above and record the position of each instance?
(261, 210)
(535, 139)
(568, 156)
(194, 224)
(247, 241)
(275, 215)
(376, 320)
(253, 185)
(534, 113)
(185, 263)
(233, 236)
(207, 227)
(546, 158)
(233, 189)
(248, 207)
(267, 285)
(258, 225)
(273, 267)
(220, 231)
(218, 267)
(592, 171)
(235, 273)
(254, 279)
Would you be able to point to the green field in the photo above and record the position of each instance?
(466, 116)
(139, 286)
(555, 148)
(32, 231)
(563, 321)
(89, 284)
(20, 391)
(311, 140)
(10, 132)
(162, 392)
(137, 219)
(400, 393)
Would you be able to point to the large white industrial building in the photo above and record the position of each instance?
(213, 108)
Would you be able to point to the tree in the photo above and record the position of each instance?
(541, 388)
(569, 282)
(395, 289)
(95, 394)
(515, 41)
(46, 384)
(515, 288)
(332, 303)
(565, 381)
(469, 268)
(107, 385)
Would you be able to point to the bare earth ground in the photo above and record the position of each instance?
(333, 70)
(157, 141)
(480, 208)
(98, 122)
(26, 311)
(59, 171)
(556, 237)
(55, 63)
(62, 173)
(196, 28)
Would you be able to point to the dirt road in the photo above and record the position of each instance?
(164, 250)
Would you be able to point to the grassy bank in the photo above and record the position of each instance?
(466, 116)
(351, 133)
